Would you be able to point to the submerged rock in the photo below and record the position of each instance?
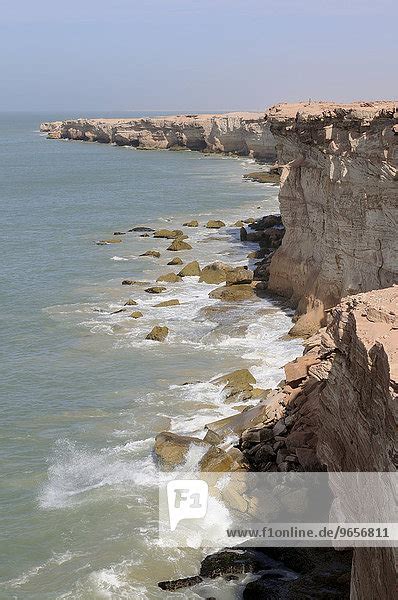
(157, 289)
(178, 245)
(158, 334)
(214, 224)
(233, 293)
(168, 234)
(177, 584)
(192, 269)
(169, 277)
(168, 303)
(154, 253)
(143, 229)
(106, 242)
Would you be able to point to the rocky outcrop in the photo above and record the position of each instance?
(339, 203)
(246, 134)
(338, 410)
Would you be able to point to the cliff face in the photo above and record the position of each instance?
(357, 412)
(338, 409)
(246, 134)
(339, 203)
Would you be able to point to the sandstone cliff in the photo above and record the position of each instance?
(339, 203)
(246, 134)
(338, 409)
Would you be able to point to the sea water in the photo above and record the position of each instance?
(83, 392)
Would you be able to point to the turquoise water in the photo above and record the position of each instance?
(83, 393)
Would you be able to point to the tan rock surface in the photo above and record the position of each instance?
(339, 203)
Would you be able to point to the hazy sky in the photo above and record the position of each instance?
(120, 55)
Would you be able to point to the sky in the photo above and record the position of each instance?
(193, 55)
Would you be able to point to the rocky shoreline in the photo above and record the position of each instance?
(337, 265)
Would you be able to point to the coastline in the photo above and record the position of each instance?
(328, 153)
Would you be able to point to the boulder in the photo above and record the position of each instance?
(238, 224)
(243, 234)
(175, 261)
(168, 234)
(239, 275)
(214, 224)
(171, 448)
(158, 333)
(156, 289)
(130, 302)
(192, 269)
(137, 314)
(154, 253)
(170, 277)
(215, 272)
(179, 245)
(168, 303)
(239, 378)
(193, 223)
(297, 370)
(233, 293)
(217, 460)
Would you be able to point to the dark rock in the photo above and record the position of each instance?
(177, 584)
(141, 229)
(233, 561)
(119, 233)
(243, 234)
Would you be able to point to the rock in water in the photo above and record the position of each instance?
(106, 242)
(143, 229)
(193, 223)
(137, 314)
(215, 224)
(168, 234)
(158, 334)
(171, 448)
(170, 277)
(239, 275)
(175, 261)
(192, 269)
(215, 272)
(130, 302)
(154, 253)
(168, 303)
(233, 293)
(157, 289)
(177, 584)
(178, 245)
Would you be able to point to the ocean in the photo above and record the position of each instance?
(83, 392)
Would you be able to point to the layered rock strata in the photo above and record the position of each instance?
(245, 134)
(339, 203)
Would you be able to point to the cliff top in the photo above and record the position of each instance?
(312, 110)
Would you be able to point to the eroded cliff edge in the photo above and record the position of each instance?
(243, 133)
(339, 203)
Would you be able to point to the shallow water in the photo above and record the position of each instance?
(83, 391)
